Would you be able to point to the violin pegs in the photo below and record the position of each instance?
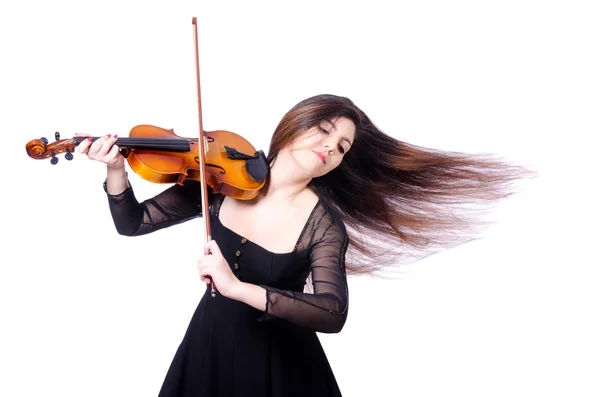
(56, 136)
(69, 155)
(54, 159)
(44, 140)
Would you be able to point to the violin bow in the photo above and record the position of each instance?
(202, 147)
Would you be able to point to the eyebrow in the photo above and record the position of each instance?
(335, 128)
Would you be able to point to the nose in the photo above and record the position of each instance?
(328, 146)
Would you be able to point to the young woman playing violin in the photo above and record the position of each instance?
(336, 183)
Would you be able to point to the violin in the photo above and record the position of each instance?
(221, 160)
(233, 167)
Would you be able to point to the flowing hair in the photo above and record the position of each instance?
(400, 202)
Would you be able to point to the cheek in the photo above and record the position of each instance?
(303, 157)
(336, 162)
(307, 141)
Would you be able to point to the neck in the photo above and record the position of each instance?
(284, 181)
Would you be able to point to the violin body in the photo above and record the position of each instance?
(233, 177)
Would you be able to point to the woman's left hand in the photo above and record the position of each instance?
(212, 264)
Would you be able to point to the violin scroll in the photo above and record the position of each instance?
(39, 149)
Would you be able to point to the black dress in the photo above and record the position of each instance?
(230, 348)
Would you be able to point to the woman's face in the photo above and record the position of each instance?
(322, 148)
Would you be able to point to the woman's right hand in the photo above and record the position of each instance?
(103, 149)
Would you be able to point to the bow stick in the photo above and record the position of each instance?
(201, 150)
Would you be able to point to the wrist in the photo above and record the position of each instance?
(238, 291)
(116, 180)
(250, 294)
(115, 170)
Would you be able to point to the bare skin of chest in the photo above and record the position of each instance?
(272, 225)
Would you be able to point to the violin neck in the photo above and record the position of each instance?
(162, 144)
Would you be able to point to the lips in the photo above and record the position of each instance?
(320, 155)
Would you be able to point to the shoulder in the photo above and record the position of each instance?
(327, 237)
(333, 215)
(324, 232)
(329, 224)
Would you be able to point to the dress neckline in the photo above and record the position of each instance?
(218, 218)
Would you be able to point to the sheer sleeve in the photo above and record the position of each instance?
(326, 309)
(176, 204)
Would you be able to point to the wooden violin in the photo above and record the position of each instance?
(233, 167)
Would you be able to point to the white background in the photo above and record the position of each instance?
(86, 312)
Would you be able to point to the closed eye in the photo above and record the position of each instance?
(340, 147)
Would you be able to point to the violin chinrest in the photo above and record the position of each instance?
(258, 167)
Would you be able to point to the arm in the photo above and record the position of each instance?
(324, 311)
(172, 206)
(131, 218)
(116, 180)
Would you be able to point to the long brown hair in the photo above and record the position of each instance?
(399, 201)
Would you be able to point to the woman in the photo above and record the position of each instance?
(336, 183)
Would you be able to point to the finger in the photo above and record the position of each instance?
(203, 264)
(205, 275)
(213, 247)
(209, 267)
(97, 146)
(84, 145)
(81, 134)
(107, 144)
(112, 154)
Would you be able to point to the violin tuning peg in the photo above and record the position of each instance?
(69, 155)
(54, 159)
(44, 140)
(56, 136)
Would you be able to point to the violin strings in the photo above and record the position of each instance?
(167, 144)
